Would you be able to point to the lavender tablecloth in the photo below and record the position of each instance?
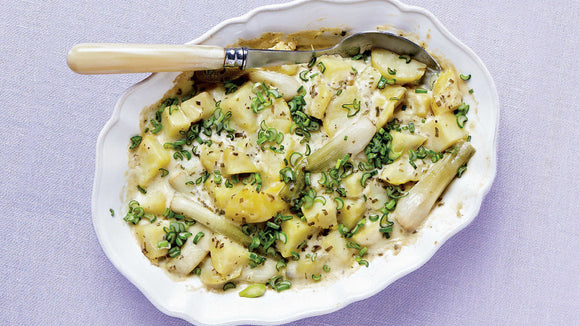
(518, 263)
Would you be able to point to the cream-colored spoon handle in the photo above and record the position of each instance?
(112, 58)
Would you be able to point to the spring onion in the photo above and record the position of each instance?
(253, 291)
(194, 211)
(414, 208)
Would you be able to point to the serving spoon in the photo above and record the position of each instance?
(114, 58)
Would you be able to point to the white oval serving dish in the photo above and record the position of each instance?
(188, 299)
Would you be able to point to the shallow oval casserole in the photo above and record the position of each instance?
(189, 299)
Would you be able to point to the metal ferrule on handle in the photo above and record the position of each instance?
(236, 57)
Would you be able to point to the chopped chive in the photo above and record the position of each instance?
(163, 245)
(362, 261)
(197, 271)
(465, 77)
(164, 172)
(322, 66)
(302, 75)
(340, 203)
(190, 183)
(141, 189)
(420, 91)
(471, 91)
(390, 205)
(461, 170)
(295, 255)
(258, 177)
(355, 106)
(135, 141)
(228, 286)
(291, 159)
(198, 237)
(316, 277)
(280, 264)
(366, 176)
(461, 120)
(174, 252)
(312, 61)
(394, 98)
(342, 229)
(406, 58)
(112, 212)
(326, 268)
(373, 218)
(156, 126)
(382, 82)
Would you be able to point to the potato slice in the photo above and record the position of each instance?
(401, 171)
(250, 206)
(443, 132)
(278, 115)
(210, 277)
(321, 215)
(403, 141)
(211, 157)
(446, 94)
(152, 157)
(220, 193)
(369, 234)
(227, 256)
(198, 107)
(154, 201)
(174, 121)
(418, 104)
(337, 70)
(148, 236)
(297, 231)
(405, 73)
(237, 162)
(320, 97)
(239, 103)
(352, 185)
(336, 115)
(335, 244)
(390, 97)
(352, 212)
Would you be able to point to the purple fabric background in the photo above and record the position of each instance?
(518, 263)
